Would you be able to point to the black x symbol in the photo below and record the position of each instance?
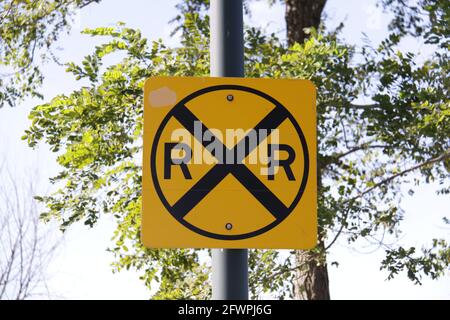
(245, 176)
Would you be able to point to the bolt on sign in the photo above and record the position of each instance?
(229, 163)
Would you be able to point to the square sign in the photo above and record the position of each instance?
(229, 163)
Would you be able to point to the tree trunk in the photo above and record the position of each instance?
(311, 276)
(302, 14)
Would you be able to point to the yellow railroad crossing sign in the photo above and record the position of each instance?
(229, 163)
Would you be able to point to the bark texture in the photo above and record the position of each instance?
(311, 275)
(302, 14)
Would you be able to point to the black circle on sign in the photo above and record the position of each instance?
(174, 111)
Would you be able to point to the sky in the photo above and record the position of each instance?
(81, 268)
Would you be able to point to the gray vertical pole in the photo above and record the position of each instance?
(229, 266)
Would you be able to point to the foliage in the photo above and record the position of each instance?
(431, 263)
(422, 18)
(29, 28)
(365, 151)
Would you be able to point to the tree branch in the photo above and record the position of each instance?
(442, 157)
(334, 158)
(359, 148)
(366, 106)
(344, 217)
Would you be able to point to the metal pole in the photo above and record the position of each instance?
(229, 266)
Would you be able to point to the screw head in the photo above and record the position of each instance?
(228, 226)
(230, 97)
